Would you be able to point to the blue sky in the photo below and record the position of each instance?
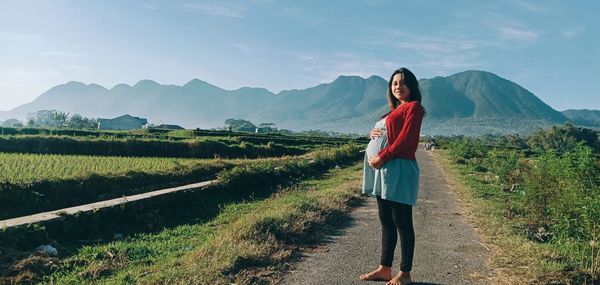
(552, 48)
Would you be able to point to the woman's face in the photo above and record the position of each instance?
(399, 88)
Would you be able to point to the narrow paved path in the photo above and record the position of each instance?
(447, 249)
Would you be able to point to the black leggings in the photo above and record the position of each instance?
(394, 217)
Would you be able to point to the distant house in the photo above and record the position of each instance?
(265, 128)
(169, 127)
(125, 122)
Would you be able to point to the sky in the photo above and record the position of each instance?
(551, 48)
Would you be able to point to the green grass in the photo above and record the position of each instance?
(249, 237)
(32, 183)
(19, 168)
(503, 220)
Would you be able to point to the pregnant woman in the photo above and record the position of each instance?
(391, 174)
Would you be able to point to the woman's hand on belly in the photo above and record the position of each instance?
(375, 162)
(375, 132)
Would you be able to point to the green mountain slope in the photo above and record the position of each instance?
(590, 118)
(470, 102)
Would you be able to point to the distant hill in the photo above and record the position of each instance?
(481, 94)
(478, 102)
(470, 102)
(589, 118)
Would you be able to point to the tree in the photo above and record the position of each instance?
(41, 118)
(30, 122)
(12, 123)
(78, 121)
(564, 139)
(239, 125)
(59, 118)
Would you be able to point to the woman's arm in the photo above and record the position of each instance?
(375, 162)
(408, 133)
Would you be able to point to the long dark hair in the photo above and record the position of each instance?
(411, 82)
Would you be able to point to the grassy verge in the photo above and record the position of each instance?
(515, 258)
(247, 243)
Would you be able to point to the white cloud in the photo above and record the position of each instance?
(149, 6)
(291, 12)
(216, 9)
(75, 67)
(248, 49)
(20, 37)
(444, 65)
(64, 54)
(439, 55)
(436, 46)
(306, 56)
(573, 32)
(533, 7)
(511, 32)
(326, 67)
(306, 17)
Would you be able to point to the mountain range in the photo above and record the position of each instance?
(470, 102)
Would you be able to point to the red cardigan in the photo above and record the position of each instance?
(403, 129)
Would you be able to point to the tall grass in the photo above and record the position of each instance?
(107, 146)
(19, 168)
(550, 197)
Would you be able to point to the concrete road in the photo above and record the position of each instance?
(447, 251)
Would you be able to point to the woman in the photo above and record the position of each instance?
(392, 174)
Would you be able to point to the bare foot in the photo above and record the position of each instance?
(403, 278)
(382, 273)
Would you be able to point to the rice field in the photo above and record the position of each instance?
(21, 168)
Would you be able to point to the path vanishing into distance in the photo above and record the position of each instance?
(448, 250)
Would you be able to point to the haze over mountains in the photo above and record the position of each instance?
(470, 102)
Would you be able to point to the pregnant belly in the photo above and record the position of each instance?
(376, 144)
